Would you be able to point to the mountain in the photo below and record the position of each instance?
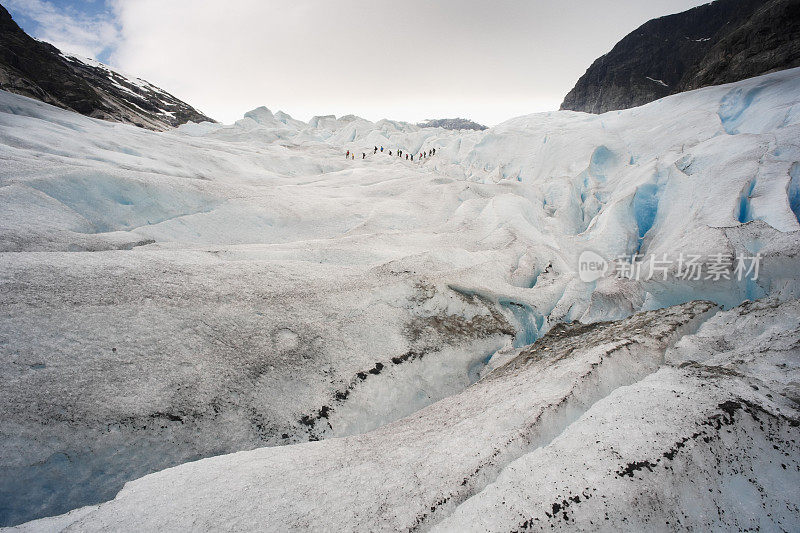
(452, 124)
(720, 42)
(39, 70)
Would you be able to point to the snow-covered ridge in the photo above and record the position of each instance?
(142, 95)
(218, 288)
(39, 70)
(128, 83)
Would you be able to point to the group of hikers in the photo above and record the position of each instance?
(423, 154)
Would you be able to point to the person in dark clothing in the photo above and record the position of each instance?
(375, 151)
(390, 152)
(412, 157)
(430, 153)
(406, 157)
(434, 151)
(363, 155)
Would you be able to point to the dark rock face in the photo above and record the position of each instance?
(452, 124)
(720, 42)
(39, 70)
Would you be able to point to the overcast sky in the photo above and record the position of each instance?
(408, 60)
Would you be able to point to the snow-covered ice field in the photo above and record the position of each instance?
(244, 288)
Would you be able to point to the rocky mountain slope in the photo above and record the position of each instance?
(720, 42)
(39, 70)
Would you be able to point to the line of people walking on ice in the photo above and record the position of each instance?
(422, 155)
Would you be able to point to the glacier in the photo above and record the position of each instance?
(246, 330)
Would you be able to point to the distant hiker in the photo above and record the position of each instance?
(381, 149)
(375, 151)
(430, 153)
(434, 151)
(390, 152)
(363, 155)
(347, 155)
(412, 157)
(406, 157)
(400, 153)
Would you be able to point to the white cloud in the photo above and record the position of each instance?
(408, 60)
(68, 30)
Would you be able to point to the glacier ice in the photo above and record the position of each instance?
(222, 288)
